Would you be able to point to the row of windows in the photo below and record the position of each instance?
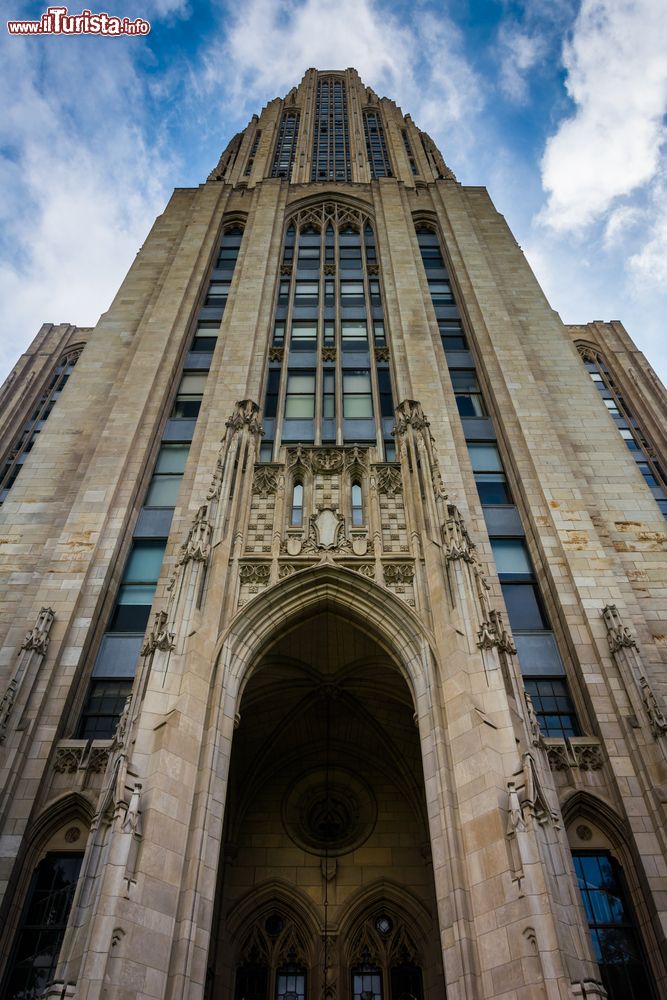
(24, 443)
(376, 146)
(367, 982)
(331, 140)
(541, 665)
(114, 668)
(288, 134)
(628, 426)
(333, 304)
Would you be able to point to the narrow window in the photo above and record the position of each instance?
(406, 982)
(291, 982)
(357, 396)
(104, 706)
(553, 706)
(357, 504)
(135, 595)
(612, 927)
(252, 982)
(297, 505)
(489, 475)
(329, 396)
(300, 397)
(272, 387)
(188, 399)
(166, 481)
(367, 982)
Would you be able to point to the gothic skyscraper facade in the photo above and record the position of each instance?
(333, 603)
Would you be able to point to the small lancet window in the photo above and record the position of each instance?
(357, 503)
(297, 505)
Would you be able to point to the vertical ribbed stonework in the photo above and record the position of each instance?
(332, 603)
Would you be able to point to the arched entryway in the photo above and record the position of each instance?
(325, 881)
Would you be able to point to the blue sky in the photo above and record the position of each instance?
(557, 106)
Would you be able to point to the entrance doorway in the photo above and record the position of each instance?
(326, 882)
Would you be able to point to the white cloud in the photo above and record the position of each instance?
(520, 52)
(616, 64)
(269, 45)
(87, 181)
(649, 264)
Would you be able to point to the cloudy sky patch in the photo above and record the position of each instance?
(557, 106)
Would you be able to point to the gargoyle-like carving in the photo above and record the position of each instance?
(37, 638)
(6, 706)
(389, 479)
(618, 634)
(656, 716)
(515, 821)
(198, 543)
(495, 631)
(457, 541)
(533, 724)
(159, 636)
(265, 481)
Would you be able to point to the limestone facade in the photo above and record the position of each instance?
(337, 760)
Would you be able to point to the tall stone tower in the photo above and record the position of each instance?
(333, 607)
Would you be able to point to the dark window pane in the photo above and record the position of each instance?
(523, 606)
(553, 707)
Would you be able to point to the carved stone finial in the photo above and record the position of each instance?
(159, 637)
(246, 414)
(198, 543)
(457, 541)
(409, 413)
(37, 638)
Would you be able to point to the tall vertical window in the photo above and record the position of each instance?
(331, 137)
(329, 375)
(115, 663)
(615, 940)
(539, 658)
(23, 444)
(288, 135)
(627, 424)
(357, 503)
(297, 505)
(409, 152)
(40, 936)
(367, 982)
(253, 152)
(376, 146)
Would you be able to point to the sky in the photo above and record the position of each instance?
(556, 106)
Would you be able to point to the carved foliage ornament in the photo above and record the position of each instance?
(265, 481)
(246, 414)
(389, 480)
(409, 413)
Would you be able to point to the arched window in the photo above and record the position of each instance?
(367, 982)
(43, 923)
(384, 963)
(611, 923)
(273, 961)
(357, 503)
(296, 518)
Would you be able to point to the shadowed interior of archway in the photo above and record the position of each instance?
(326, 865)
